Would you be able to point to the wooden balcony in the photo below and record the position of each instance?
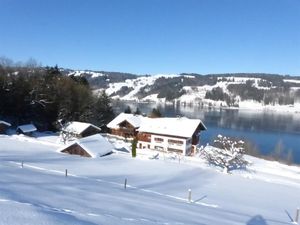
(144, 137)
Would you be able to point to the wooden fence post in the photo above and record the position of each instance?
(22, 164)
(297, 215)
(190, 195)
(66, 173)
(125, 183)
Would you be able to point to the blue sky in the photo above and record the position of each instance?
(155, 36)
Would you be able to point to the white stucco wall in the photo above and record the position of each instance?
(165, 144)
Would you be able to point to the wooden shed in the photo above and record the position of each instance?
(26, 129)
(76, 149)
(80, 129)
(92, 146)
(4, 126)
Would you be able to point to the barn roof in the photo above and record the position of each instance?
(95, 145)
(176, 126)
(78, 127)
(5, 123)
(26, 128)
(134, 120)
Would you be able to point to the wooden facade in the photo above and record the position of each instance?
(90, 131)
(196, 134)
(125, 130)
(146, 137)
(3, 128)
(76, 149)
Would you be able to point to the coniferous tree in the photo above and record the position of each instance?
(103, 112)
(137, 111)
(155, 113)
(127, 110)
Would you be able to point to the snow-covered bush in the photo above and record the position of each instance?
(66, 136)
(226, 153)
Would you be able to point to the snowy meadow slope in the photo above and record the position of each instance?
(93, 192)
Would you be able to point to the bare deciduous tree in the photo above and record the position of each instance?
(226, 153)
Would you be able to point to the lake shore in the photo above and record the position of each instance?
(249, 105)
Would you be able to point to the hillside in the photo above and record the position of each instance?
(218, 90)
(243, 90)
(93, 192)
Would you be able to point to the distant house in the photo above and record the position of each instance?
(26, 129)
(4, 126)
(92, 146)
(125, 125)
(179, 135)
(80, 129)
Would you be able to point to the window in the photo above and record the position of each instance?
(158, 139)
(175, 150)
(159, 148)
(175, 142)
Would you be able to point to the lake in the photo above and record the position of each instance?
(265, 130)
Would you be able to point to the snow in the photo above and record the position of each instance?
(134, 120)
(151, 98)
(197, 93)
(27, 128)
(157, 190)
(78, 127)
(251, 105)
(80, 72)
(5, 123)
(292, 81)
(95, 145)
(169, 126)
(189, 76)
(136, 84)
(255, 105)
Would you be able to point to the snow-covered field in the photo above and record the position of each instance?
(156, 193)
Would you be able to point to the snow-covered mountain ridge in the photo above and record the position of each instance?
(216, 90)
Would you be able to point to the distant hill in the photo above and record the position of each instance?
(234, 89)
(216, 90)
(99, 79)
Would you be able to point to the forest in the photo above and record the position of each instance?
(43, 96)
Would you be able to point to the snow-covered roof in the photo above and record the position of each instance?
(78, 127)
(134, 120)
(26, 128)
(95, 145)
(5, 123)
(180, 126)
